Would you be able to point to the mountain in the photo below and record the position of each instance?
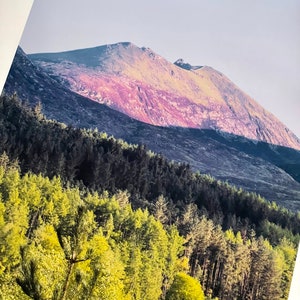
(255, 166)
(145, 86)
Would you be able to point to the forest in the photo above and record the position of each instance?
(86, 216)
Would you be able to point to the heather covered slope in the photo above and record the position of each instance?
(145, 86)
(258, 167)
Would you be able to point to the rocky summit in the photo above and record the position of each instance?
(145, 86)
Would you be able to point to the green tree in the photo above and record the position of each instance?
(43, 265)
(287, 252)
(185, 287)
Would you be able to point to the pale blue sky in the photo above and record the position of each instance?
(255, 43)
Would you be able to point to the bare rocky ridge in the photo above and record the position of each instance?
(145, 86)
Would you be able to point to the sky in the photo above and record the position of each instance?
(255, 43)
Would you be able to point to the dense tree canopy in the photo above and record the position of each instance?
(60, 243)
(99, 162)
(63, 236)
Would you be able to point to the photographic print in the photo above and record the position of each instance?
(150, 150)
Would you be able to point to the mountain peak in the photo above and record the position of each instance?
(122, 46)
(91, 57)
(145, 86)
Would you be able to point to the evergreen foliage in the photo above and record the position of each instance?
(102, 163)
(60, 242)
(63, 236)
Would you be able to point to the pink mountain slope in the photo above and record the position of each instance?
(147, 87)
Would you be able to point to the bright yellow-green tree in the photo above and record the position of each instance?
(185, 287)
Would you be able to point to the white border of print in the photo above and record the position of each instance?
(13, 17)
